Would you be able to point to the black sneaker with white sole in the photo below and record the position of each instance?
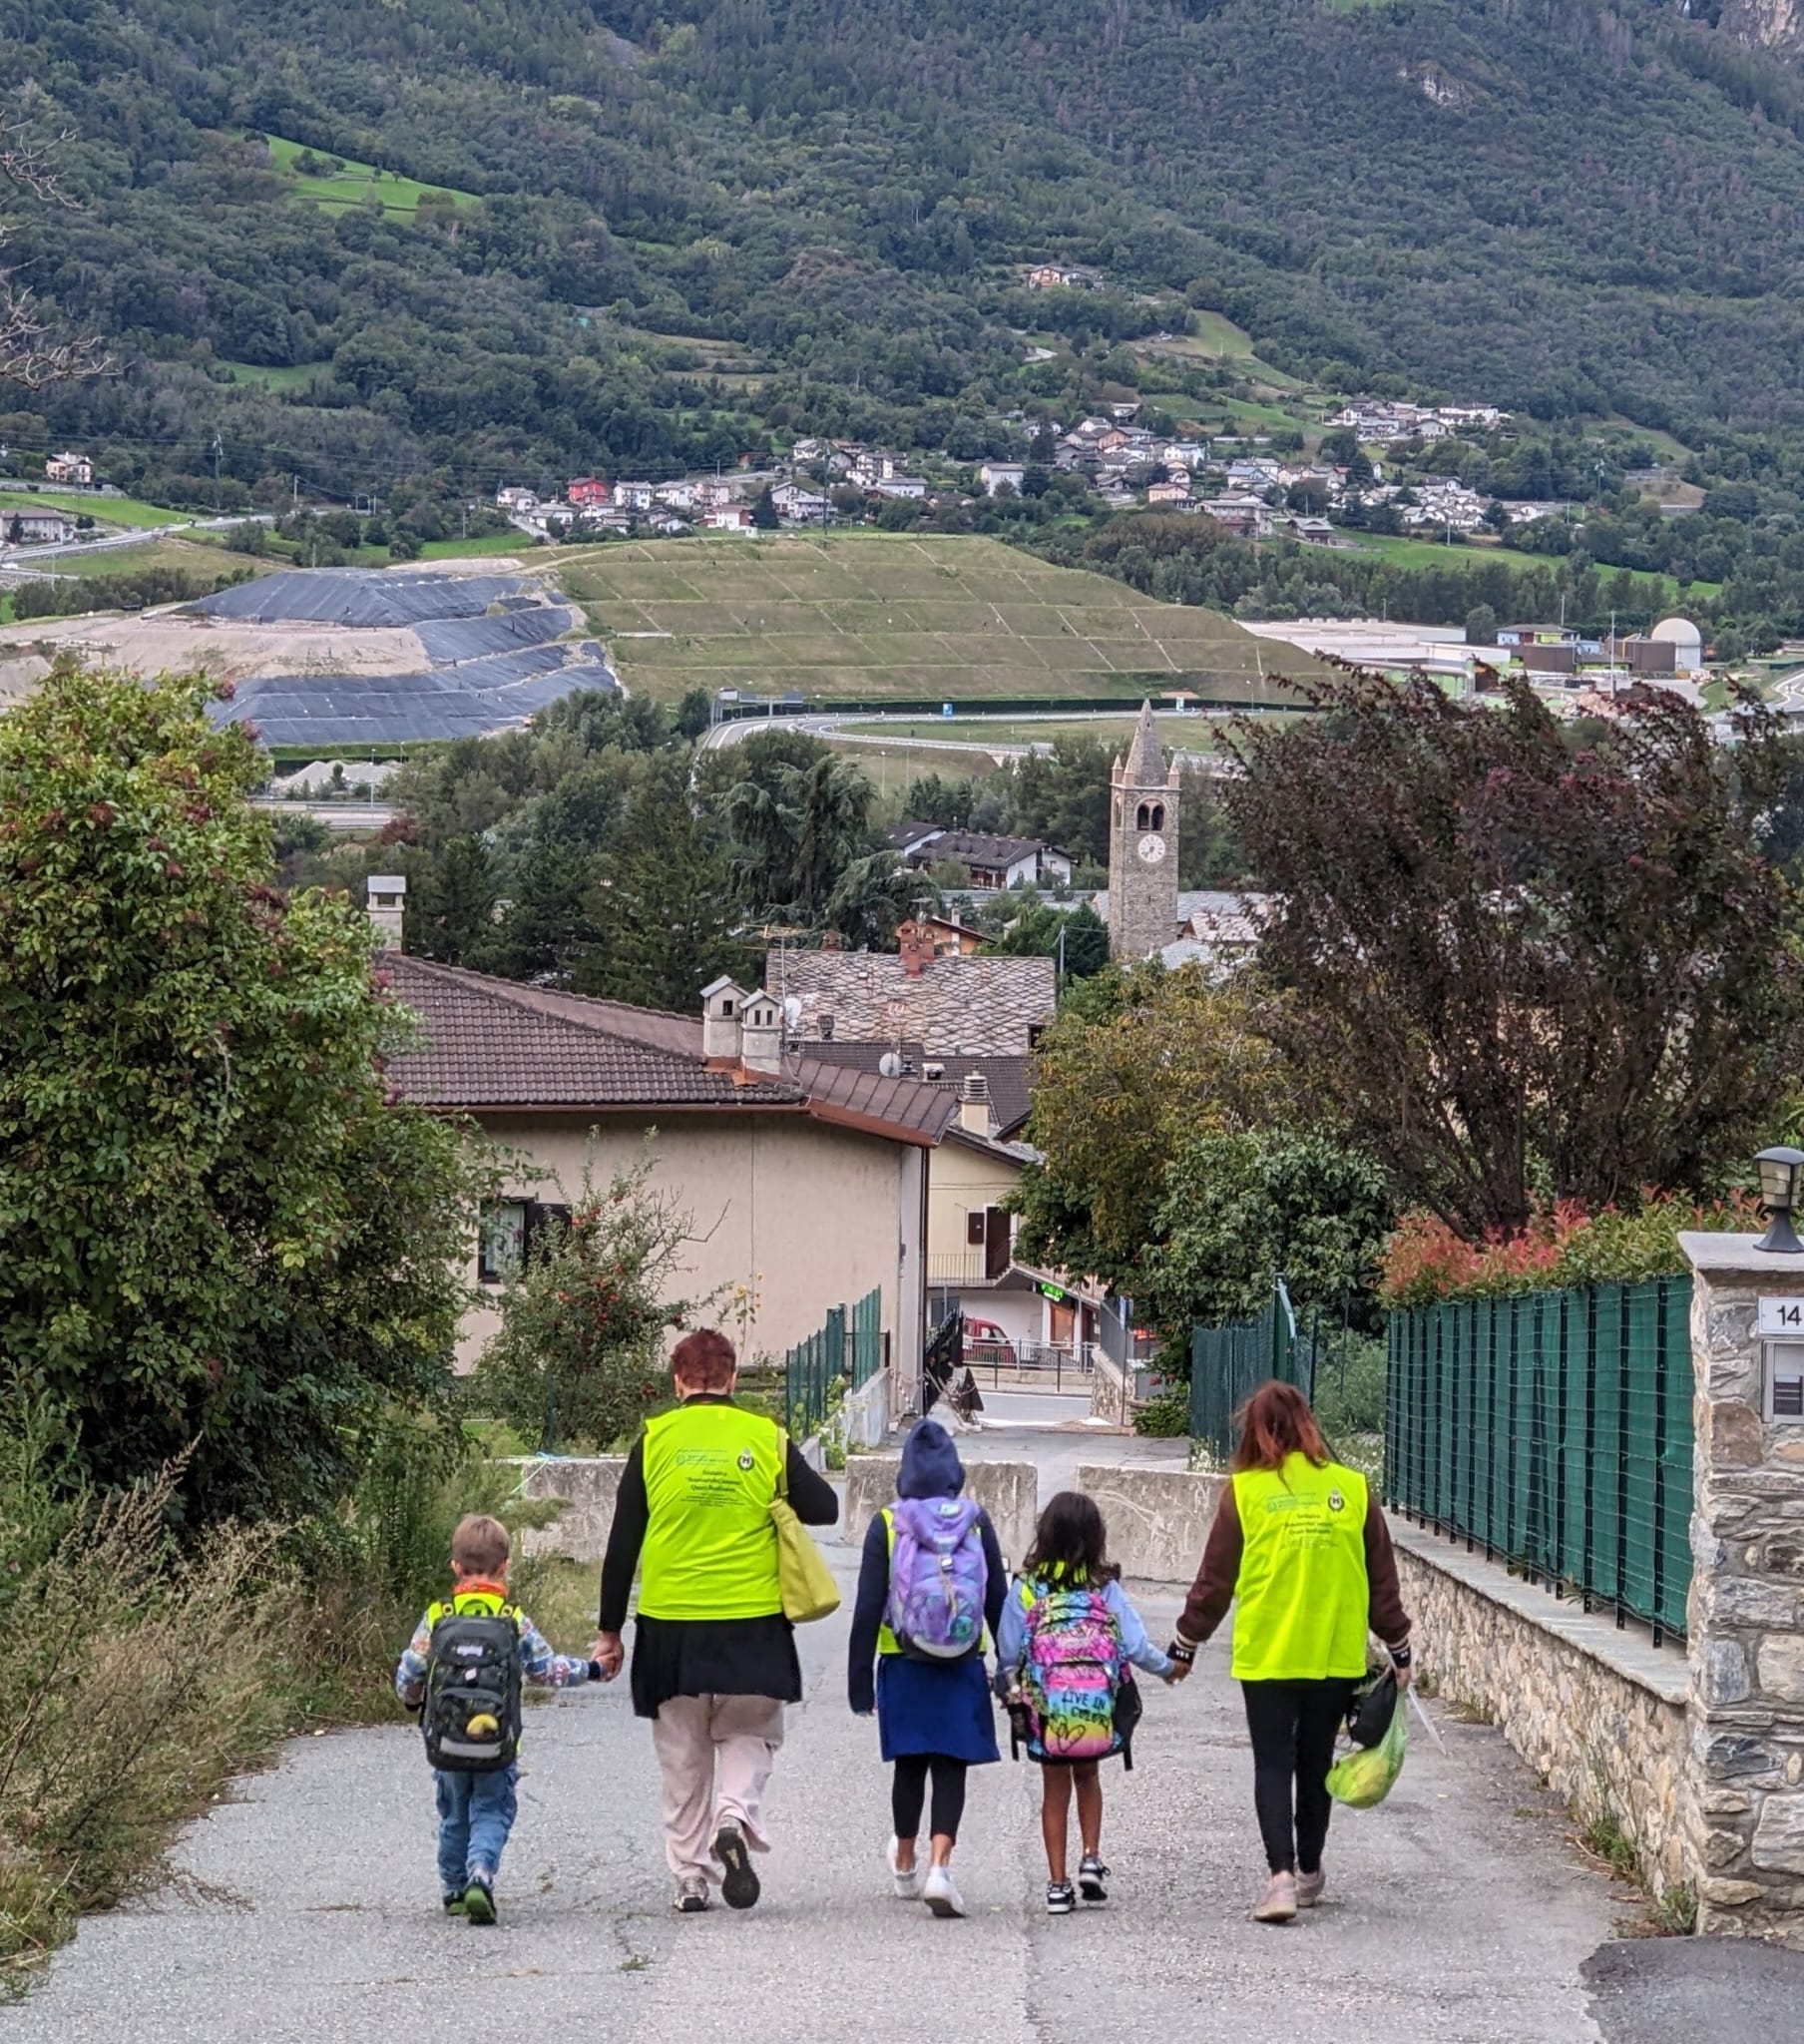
(1061, 1898)
(1093, 1876)
(739, 1890)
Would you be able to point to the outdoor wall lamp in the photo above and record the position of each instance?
(1779, 1171)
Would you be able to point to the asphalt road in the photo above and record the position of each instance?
(1457, 1912)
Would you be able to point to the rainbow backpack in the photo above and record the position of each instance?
(1079, 1689)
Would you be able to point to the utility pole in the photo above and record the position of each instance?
(219, 450)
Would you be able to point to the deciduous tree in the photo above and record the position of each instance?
(1519, 967)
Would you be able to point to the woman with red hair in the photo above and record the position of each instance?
(1301, 1549)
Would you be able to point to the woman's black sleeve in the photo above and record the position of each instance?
(815, 1500)
(631, 1514)
(867, 1617)
(996, 1586)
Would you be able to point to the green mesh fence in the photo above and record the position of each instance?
(1230, 1363)
(1553, 1431)
(868, 1338)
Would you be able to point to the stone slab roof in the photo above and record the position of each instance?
(1011, 1078)
(955, 1006)
(491, 1044)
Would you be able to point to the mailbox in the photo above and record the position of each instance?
(1782, 1358)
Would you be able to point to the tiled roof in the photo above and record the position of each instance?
(980, 848)
(1011, 1078)
(494, 1043)
(970, 1007)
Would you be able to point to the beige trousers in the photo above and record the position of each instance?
(695, 1737)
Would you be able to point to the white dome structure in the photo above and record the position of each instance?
(1686, 640)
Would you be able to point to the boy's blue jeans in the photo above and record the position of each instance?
(475, 1816)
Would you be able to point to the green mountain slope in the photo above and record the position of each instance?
(704, 223)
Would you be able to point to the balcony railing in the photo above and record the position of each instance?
(954, 1267)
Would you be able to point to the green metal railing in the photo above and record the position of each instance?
(1553, 1431)
(847, 1352)
(1229, 1364)
(868, 1338)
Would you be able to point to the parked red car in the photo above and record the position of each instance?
(986, 1347)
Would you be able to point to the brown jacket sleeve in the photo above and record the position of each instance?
(1388, 1618)
(1214, 1589)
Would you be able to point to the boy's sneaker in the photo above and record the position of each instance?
(690, 1898)
(479, 1900)
(1061, 1898)
(454, 1905)
(1309, 1889)
(1091, 1878)
(940, 1892)
(739, 1890)
(908, 1885)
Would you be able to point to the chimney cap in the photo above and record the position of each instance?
(976, 1087)
(386, 883)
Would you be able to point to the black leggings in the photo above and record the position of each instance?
(1294, 1726)
(908, 1794)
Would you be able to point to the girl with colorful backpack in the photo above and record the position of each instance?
(1069, 1643)
(930, 1595)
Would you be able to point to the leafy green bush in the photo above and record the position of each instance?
(1166, 1414)
(579, 1356)
(1350, 1385)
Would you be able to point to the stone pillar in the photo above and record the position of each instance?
(1746, 1817)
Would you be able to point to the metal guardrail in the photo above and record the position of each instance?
(1031, 1366)
(1554, 1431)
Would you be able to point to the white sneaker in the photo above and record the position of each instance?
(940, 1892)
(908, 1885)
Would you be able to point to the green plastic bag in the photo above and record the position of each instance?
(1365, 1776)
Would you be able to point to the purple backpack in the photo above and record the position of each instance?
(937, 1578)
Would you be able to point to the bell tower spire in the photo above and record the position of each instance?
(1143, 848)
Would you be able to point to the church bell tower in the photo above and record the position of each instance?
(1142, 848)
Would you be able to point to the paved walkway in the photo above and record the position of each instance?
(1458, 1912)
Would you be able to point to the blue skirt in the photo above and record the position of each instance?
(928, 1707)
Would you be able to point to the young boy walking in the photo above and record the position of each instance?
(462, 1671)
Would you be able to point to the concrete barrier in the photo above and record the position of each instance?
(867, 1414)
(1158, 1519)
(1008, 1492)
(591, 1483)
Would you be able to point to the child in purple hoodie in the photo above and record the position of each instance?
(935, 1717)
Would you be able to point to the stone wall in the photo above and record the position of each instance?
(1008, 1492)
(867, 1414)
(1599, 1712)
(1746, 1617)
(1158, 1519)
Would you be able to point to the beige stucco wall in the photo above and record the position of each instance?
(806, 1216)
(960, 1179)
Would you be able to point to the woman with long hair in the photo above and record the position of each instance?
(1300, 1548)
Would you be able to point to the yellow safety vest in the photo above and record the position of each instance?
(1303, 1600)
(712, 1472)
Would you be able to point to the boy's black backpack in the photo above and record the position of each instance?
(471, 1714)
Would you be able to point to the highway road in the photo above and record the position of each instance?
(836, 724)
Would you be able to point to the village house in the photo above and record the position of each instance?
(901, 486)
(1312, 532)
(871, 466)
(798, 506)
(998, 475)
(993, 862)
(69, 468)
(1245, 517)
(1048, 277)
(1174, 491)
(37, 528)
(516, 498)
(730, 518)
(952, 1005)
(632, 496)
(677, 496)
(586, 493)
(807, 1181)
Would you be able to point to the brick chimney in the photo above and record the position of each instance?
(916, 941)
(722, 1002)
(973, 1104)
(761, 1035)
(387, 896)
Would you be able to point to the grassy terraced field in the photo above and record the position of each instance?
(356, 183)
(869, 617)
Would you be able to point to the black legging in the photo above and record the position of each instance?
(908, 1794)
(1294, 1726)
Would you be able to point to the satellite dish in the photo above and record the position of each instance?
(890, 1065)
(792, 1010)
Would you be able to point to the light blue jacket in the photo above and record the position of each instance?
(1012, 1638)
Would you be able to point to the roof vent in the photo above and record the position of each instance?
(932, 1070)
(973, 1104)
